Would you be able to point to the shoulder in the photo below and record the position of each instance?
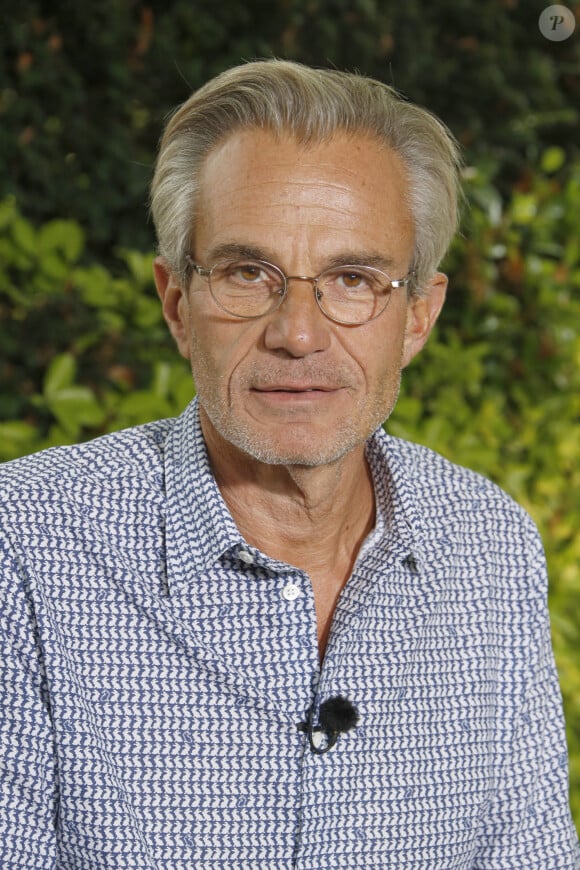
(61, 472)
(467, 527)
(448, 495)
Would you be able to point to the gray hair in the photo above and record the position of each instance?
(311, 105)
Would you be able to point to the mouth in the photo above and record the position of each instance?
(293, 389)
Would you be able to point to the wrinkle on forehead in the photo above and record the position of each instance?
(313, 160)
(257, 183)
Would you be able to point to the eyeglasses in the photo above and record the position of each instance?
(253, 288)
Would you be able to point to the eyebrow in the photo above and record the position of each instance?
(362, 258)
(234, 250)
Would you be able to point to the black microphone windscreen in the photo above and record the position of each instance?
(338, 714)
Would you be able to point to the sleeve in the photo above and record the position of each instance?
(28, 780)
(529, 823)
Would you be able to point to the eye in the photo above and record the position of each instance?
(350, 279)
(247, 272)
(353, 280)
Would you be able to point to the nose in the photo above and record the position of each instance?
(298, 327)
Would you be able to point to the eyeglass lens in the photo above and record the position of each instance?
(349, 294)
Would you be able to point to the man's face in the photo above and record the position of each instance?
(293, 387)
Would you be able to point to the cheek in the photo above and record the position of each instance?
(218, 349)
(378, 352)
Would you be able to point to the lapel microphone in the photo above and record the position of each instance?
(336, 716)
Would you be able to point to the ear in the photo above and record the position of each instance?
(422, 312)
(174, 304)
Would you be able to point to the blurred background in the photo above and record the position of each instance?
(84, 92)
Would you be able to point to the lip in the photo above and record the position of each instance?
(295, 393)
(296, 388)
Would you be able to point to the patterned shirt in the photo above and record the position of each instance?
(154, 669)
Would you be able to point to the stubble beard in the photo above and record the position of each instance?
(347, 434)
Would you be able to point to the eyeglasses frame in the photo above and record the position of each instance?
(395, 284)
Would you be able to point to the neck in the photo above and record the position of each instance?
(314, 518)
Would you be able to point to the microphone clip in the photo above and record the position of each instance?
(336, 716)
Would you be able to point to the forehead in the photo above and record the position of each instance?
(349, 190)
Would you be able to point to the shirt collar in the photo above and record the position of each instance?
(200, 523)
(202, 529)
(396, 496)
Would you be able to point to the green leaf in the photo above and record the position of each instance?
(7, 212)
(64, 236)
(524, 208)
(553, 159)
(142, 406)
(75, 407)
(24, 236)
(16, 439)
(60, 374)
(140, 265)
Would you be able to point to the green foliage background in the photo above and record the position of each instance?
(84, 90)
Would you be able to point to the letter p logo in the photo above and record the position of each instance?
(557, 23)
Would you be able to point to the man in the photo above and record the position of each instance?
(266, 634)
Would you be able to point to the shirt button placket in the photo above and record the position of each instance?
(291, 592)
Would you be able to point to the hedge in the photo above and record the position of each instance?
(86, 86)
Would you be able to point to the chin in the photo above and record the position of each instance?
(306, 458)
(305, 451)
(291, 445)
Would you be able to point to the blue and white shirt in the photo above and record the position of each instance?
(154, 668)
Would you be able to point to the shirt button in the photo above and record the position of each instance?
(246, 557)
(290, 592)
